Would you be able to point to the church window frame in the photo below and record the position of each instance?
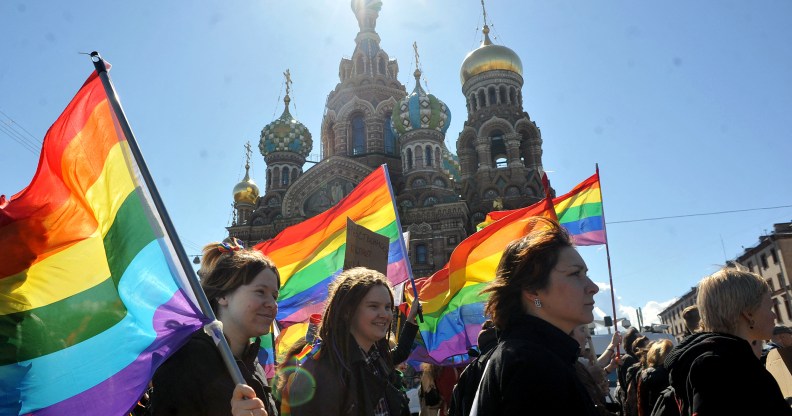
(357, 133)
(421, 254)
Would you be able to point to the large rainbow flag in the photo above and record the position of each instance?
(91, 302)
(453, 307)
(579, 211)
(310, 254)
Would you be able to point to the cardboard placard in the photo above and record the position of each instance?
(365, 248)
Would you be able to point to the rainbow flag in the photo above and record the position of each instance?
(91, 301)
(579, 211)
(453, 306)
(310, 254)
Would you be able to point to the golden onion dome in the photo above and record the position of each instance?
(246, 192)
(489, 57)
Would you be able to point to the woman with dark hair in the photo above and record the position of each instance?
(349, 370)
(715, 371)
(242, 288)
(540, 294)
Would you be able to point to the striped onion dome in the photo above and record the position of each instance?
(420, 110)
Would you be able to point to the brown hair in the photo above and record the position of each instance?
(692, 318)
(224, 270)
(658, 351)
(345, 294)
(526, 265)
(726, 294)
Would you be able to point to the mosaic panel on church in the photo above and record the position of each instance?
(327, 196)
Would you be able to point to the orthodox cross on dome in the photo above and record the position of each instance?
(417, 72)
(248, 152)
(485, 30)
(287, 75)
(484, 12)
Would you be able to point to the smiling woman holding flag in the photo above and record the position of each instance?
(242, 288)
(540, 294)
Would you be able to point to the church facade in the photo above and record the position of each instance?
(370, 119)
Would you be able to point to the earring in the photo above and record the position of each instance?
(538, 303)
(751, 324)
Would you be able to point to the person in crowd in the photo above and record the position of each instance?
(349, 370)
(715, 372)
(782, 338)
(640, 349)
(465, 389)
(589, 371)
(540, 294)
(654, 378)
(627, 360)
(692, 320)
(242, 287)
(429, 394)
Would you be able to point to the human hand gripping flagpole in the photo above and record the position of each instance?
(214, 328)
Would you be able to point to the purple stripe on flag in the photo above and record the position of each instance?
(173, 328)
(591, 238)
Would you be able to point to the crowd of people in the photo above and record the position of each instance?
(534, 356)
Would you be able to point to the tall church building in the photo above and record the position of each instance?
(371, 120)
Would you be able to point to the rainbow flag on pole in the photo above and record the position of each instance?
(579, 211)
(452, 304)
(91, 299)
(310, 254)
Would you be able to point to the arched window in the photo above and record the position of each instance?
(276, 176)
(359, 66)
(409, 159)
(420, 254)
(390, 139)
(493, 96)
(498, 149)
(358, 134)
(502, 91)
(381, 65)
(437, 157)
(473, 105)
(285, 177)
(482, 102)
(269, 178)
(428, 156)
(513, 96)
(419, 156)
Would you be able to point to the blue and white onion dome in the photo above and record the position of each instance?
(285, 134)
(420, 110)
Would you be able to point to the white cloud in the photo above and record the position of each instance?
(604, 307)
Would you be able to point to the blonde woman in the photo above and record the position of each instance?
(715, 371)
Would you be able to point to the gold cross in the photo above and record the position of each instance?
(287, 74)
(415, 48)
(248, 152)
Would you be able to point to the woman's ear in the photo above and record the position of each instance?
(222, 301)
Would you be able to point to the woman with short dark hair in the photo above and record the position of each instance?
(540, 294)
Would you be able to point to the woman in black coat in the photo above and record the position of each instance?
(715, 372)
(540, 294)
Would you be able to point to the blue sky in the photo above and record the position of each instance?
(683, 104)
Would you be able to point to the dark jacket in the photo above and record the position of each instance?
(324, 389)
(718, 374)
(532, 371)
(195, 381)
(653, 381)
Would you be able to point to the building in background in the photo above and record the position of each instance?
(672, 315)
(370, 120)
(771, 259)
